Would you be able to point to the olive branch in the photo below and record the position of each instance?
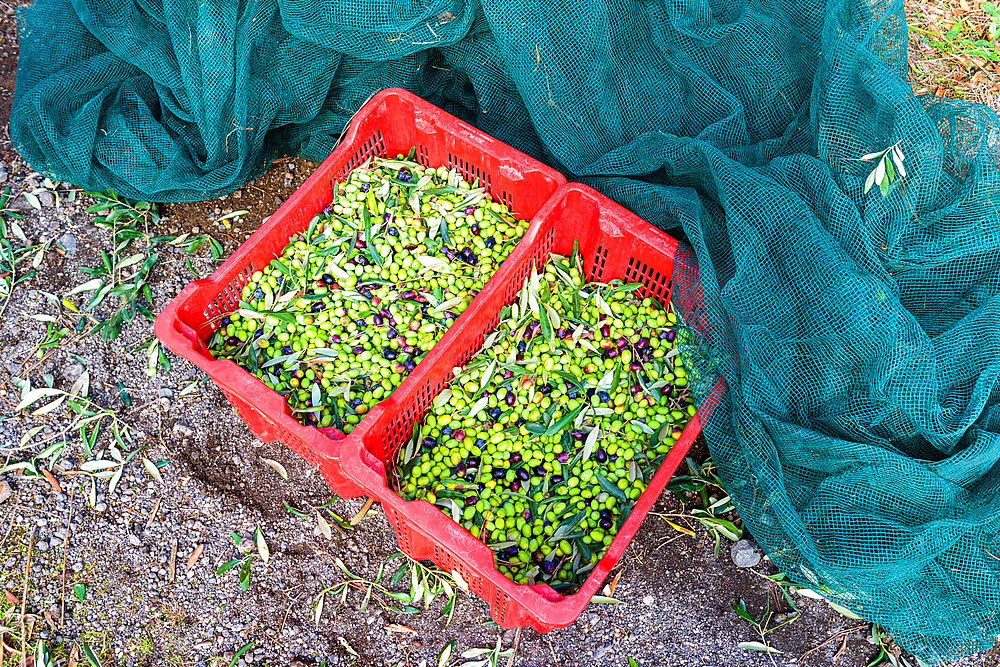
(886, 170)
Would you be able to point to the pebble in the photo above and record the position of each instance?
(648, 600)
(73, 371)
(5, 492)
(133, 539)
(68, 243)
(165, 392)
(745, 554)
(21, 205)
(3, 176)
(47, 199)
(182, 430)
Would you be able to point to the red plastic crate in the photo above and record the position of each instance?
(392, 122)
(614, 243)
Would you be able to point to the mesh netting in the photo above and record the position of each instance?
(859, 333)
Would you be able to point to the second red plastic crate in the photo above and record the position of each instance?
(614, 243)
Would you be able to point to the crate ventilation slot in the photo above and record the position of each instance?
(471, 172)
(656, 284)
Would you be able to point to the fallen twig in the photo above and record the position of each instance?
(831, 638)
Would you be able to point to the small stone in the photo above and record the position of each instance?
(68, 243)
(278, 201)
(74, 371)
(47, 199)
(648, 600)
(165, 392)
(133, 539)
(182, 430)
(21, 205)
(196, 230)
(5, 492)
(745, 554)
(237, 194)
(3, 176)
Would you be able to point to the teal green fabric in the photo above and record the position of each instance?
(859, 333)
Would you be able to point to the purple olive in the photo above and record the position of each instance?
(515, 458)
(605, 524)
(671, 335)
(471, 500)
(498, 473)
(523, 474)
(232, 340)
(538, 471)
(460, 470)
(557, 479)
(562, 457)
(515, 486)
(605, 331)
(472, 462)
(601, 455)
(510, 399)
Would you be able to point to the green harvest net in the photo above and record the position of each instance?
(859, 333)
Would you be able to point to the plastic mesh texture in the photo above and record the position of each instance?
(859, 334)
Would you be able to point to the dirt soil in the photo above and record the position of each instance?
(147, 554)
